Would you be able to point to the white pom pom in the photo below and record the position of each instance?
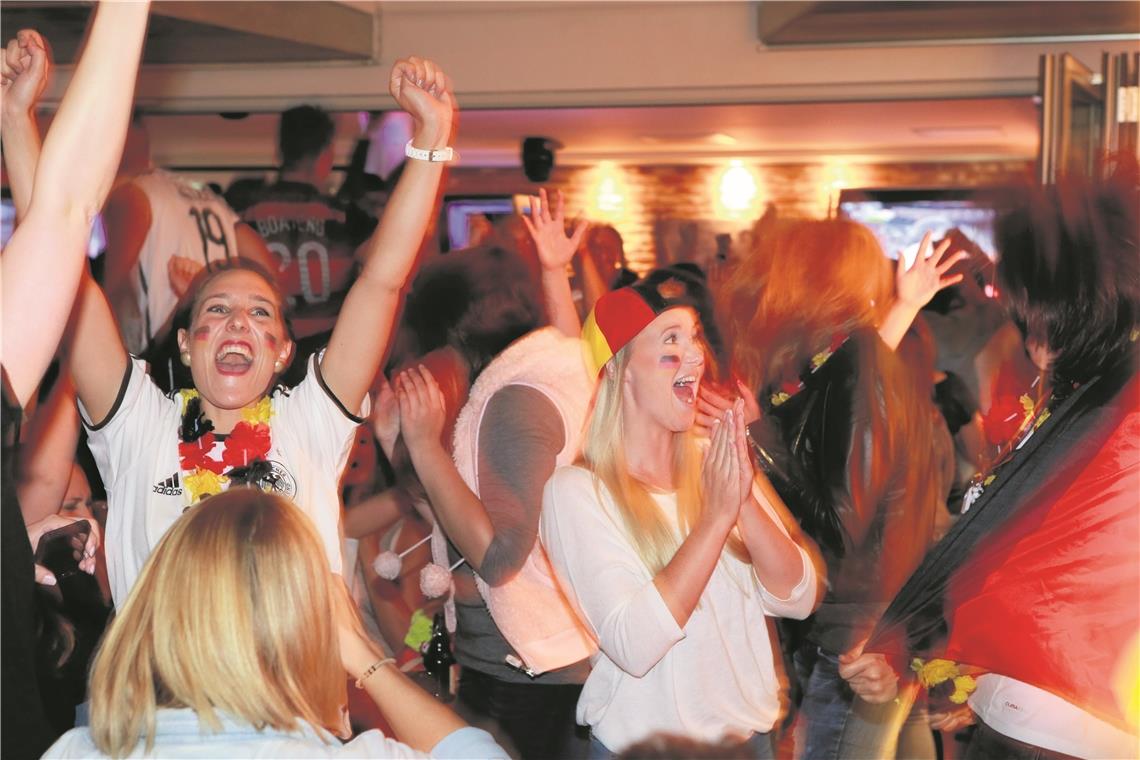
(387, 565)
(434, 580)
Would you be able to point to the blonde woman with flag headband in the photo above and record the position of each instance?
(673, 559)
(160, 455)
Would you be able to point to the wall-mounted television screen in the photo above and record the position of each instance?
(463, 212)
(899, 218)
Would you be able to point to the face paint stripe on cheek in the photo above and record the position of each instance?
(670, 361)
(201, 333)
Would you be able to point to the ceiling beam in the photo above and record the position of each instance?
(773, 17)
(317, 23)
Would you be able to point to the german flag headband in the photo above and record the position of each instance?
(620, 315)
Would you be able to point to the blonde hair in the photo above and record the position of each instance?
(603, 452)
(255, 637)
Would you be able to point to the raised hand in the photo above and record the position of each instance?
(548, 231)
(422, 89)
(422, 408)
(181, 271)
(386, 417)
(927, 275)
(25, 68)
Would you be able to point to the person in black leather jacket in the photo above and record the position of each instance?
(845, 437)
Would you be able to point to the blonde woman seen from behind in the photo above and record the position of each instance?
(250, 661)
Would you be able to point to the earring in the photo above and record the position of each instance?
(279, 366)
(185, 356)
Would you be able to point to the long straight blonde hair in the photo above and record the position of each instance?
(603, 452)
(233, 612)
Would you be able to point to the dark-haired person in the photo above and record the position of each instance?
(159, 455)
(525, 654)
(314, 237)
(1038, 583)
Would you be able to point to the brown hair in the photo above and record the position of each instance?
(804, 282)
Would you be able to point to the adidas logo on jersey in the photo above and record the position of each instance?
(169, 487)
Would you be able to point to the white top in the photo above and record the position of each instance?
(715, 679)
(179, 734)
(187, 220)
(136, 450)
(1035, 716)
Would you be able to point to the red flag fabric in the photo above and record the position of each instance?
(1053, 597)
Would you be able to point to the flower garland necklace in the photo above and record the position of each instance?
(1034, 416)
(243, 455)
(789, 388)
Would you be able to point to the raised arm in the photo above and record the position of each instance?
(915, 286)
(127, 219)
(42, 263)
(25, 69)
(725, 487)
(520, 436)
(555, 251)
(787, 573)
(460, 513)
(365, 322)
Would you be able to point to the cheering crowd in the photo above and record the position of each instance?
(726, 513)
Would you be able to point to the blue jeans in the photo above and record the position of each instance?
(835, 724)
(757, 746)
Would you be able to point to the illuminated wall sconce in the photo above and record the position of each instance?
(837, 178)
(608, 196)
(737, 192)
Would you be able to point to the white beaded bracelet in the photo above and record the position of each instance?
(442, 155)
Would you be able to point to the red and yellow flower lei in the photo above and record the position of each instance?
(248, 443)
